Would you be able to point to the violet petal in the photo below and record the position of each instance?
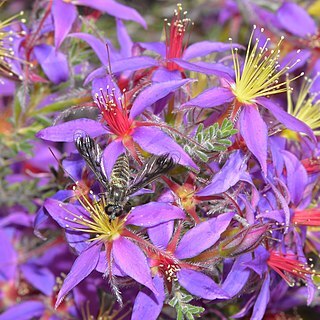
(291, 60)
(210, 98)
(163, 75)
(97, 46)
(8, 258)
(203, 48)
(133, 262)
(81, 268)
(147, 305)
(238, 275)
(161, 234)
(154, 93)
(259, 262)
(214, 69)
(113, 8)
(157, 142)
(64, 213)
(53, 63)
(262, 300)
(158, 47)
(288, 120)
(42, 216)
(24, 311)
(64, 15)
(200, 285)
(102, 266)
(17, 218)
(65, 132)
(77, 240)
(40, 277)
(154, 213)
(227, 177)
(256, 137)
(133, 64)
(296, 20)
(297, 177)
(124, 39)
(202, 236)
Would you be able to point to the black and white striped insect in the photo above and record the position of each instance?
(119, 187)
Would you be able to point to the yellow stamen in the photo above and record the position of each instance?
(260, 74)
(6, 51)
(98, 224)
(306, 108)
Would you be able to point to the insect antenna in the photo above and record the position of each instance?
(61, 167)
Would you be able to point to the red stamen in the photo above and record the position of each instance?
(312, 165)
(288, 266)
(307, 217)
(174, 38)
(114, 113)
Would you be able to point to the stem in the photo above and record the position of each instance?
(40, 250)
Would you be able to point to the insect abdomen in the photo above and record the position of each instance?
(120, 174)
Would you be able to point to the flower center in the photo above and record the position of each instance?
(307, 107)
(186, 195)
(97, 222)
(114, 112)
(167, 267)
(175, 35)
(7, 53)
(260, 73)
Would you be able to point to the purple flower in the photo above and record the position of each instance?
(168, 265)
(190, 196)
(294, 19)
(174, 55)
(88, 230)
(121, 124)
(64, 14)
(256, 79)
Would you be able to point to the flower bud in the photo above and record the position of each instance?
(245, 240)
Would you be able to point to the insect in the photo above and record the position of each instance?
(119, 187)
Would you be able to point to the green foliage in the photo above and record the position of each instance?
(184, 309)
(211, 139)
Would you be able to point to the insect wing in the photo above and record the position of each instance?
(91, 153)
(152, 170)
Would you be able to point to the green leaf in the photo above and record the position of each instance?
(179, 314)
(201, 155)
(187, 298)
(173, 302)
(225, 142)
(189, 316)
(211, 139)
(181, 302)
(61, 105)
(219, 148)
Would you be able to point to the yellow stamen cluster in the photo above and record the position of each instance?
(98, 223)
(306, 108)
(6, 51)
(259, 76)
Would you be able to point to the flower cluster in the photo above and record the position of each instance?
(161, 179)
